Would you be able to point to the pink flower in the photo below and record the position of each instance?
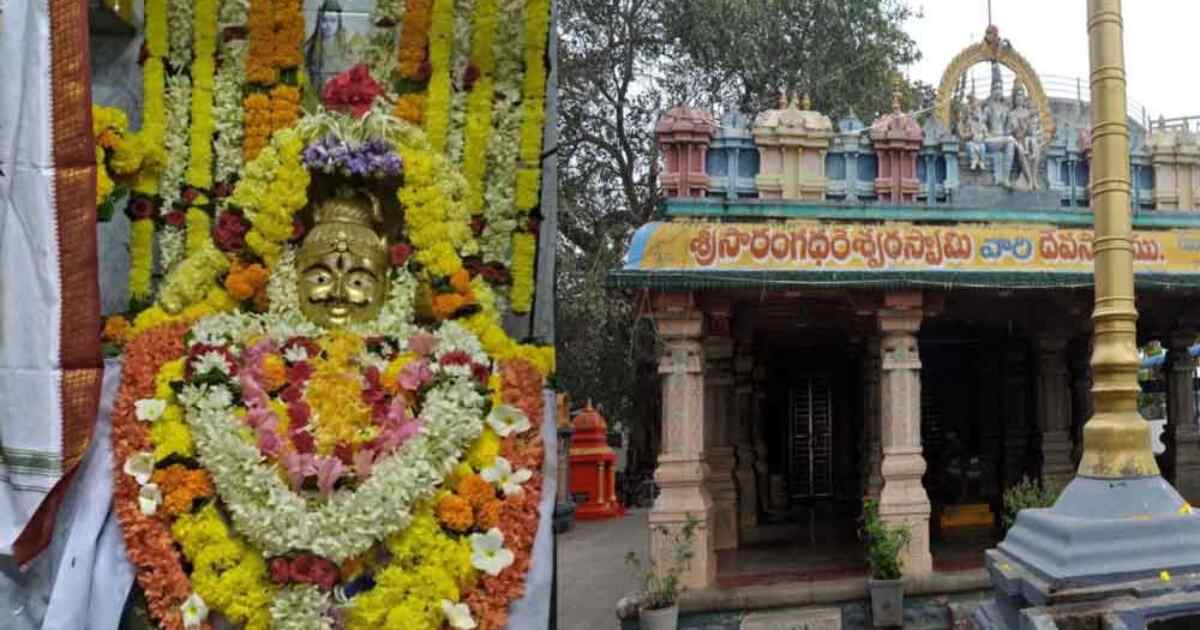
(268, 441)
(299, 466)
(414, 375)
(328, 472)
(364, 459)
(422, 343)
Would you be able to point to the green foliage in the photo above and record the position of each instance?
(1025, 495)
(661, 585)
(885, 544)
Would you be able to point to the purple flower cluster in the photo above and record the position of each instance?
(373, 158)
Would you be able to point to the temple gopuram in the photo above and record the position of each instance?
(895, 310)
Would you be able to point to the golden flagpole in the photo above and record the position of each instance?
(1116, 440)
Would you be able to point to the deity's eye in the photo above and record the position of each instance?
(319, 277)
(362, 280)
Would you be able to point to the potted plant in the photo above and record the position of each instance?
(658, 607)
(1027, 494)
(885, 548)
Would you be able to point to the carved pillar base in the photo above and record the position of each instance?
(903, 498)
(681, 466)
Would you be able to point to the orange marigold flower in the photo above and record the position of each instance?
(447, 304)
(476, 491)
(115, 328)
(488, 516)
(461, 281)
(274, 370)
(244, 281)
(410, 107)
(181, 486)
(454, 513)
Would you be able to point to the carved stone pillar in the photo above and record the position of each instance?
(1183, 438)
(1054, 410)
(762, 474)
(743, 437)
(873, 481)
(1081, 394)
(903, 499)
(718, 450)
(1016, 429)
(681, 466)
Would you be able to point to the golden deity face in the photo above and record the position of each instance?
(342, 264)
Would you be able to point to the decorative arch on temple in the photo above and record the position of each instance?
(992, 48)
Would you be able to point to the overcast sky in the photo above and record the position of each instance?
(1161, 44)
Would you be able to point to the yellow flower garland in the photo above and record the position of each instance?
(435, 218)
(141, 257)
(437, 105)
(537, 29)
(198, 229)
(524, 249)
(427, 566)
(226, 573)
(204, 28)
(273, 188)
(479, 105)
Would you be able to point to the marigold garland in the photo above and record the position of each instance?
(437, 105)
(198, 227)
(414, 38)
(537, 30)
(524, 251)
(260, 57)
(141, 258)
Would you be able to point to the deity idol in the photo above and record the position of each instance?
(343, 262)
(330, 428)
(1005, 121)
(973, 132)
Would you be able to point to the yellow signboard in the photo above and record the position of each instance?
(798, 246)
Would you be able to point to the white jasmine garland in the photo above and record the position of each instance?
(172, 247)
(228, 115)
(232, 13)
(178, 101)
(301, 607)
(179, 32)
(277, 520)
(504, 143)
(149, 409)
(460, 58)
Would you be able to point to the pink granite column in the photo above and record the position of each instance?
(681, 466)
(1054, 409)
(718, 450)
(903, 498)
(744, 441)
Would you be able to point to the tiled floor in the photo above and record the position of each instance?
(823, 545)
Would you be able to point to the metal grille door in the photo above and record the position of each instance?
(810, 439)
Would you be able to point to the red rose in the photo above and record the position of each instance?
(471, 76)
(230, 233)
(352, 91)
(302, 566)
(303, 441)
(344, 452)
(299, 373)
(324, 574)
(281, 570)
(176, 218)
(400, 254)
(190, 194)
(222, 190)
(141, 208)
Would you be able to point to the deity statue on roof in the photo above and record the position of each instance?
(973, 132)
(1011, 133)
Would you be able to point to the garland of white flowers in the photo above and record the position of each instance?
(301, 607)
(179, 32)
(278, 521)
(228, 116)
(464, 12)
(504, 144)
